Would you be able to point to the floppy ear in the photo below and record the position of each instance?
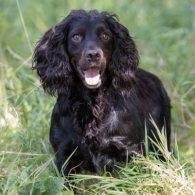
(51, 60)
(124, 58)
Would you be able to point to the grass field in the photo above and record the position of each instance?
(165, 35)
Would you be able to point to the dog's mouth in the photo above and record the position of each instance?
(92, 77)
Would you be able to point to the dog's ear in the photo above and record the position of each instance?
(124, 58)
(51, 60)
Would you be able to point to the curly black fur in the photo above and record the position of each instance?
(104, 121)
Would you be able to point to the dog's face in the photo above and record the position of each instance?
(89, 46)
(92, 44)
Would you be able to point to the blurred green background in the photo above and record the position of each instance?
(164, 32)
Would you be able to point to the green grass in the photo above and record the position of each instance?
(165, 35)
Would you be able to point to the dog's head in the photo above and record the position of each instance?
(89, 46)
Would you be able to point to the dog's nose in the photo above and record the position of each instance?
(92, 55)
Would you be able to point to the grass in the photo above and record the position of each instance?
(165, 35)
(143, 176)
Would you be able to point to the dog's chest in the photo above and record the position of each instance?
(110, 122)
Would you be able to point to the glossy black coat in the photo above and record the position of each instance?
(99, 125)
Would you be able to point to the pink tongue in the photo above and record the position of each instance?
(91, 73)
(92, 76)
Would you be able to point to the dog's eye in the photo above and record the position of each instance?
(76, 38)
(104, 37)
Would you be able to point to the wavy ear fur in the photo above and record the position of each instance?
(51, 60)
(124, 58)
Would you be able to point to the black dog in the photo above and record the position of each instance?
(90, 62)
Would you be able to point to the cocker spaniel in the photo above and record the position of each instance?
(104, 101)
